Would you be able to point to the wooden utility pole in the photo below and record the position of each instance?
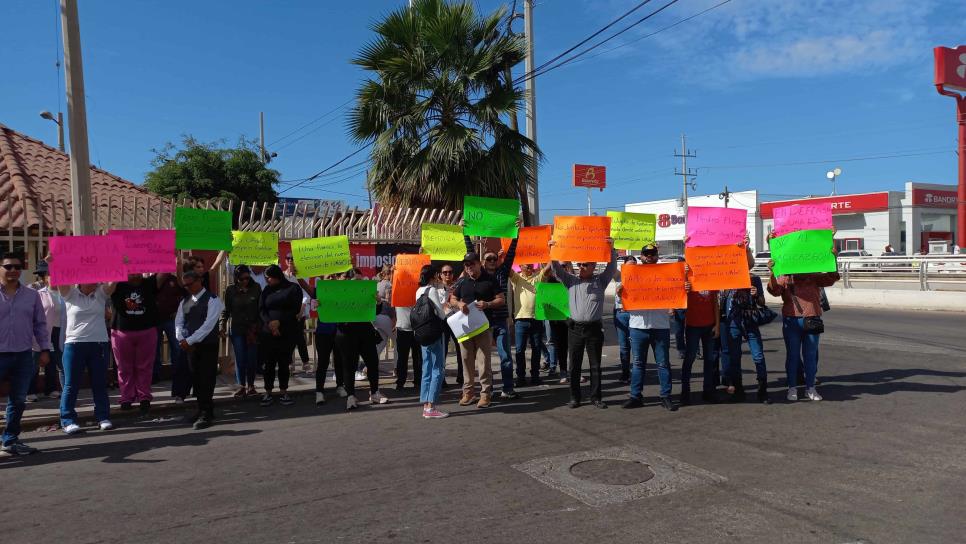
(80, 167)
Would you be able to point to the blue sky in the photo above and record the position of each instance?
(756, 84)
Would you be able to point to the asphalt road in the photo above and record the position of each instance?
(880, 460)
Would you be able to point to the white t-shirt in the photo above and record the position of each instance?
(437, 296)
(85, 316)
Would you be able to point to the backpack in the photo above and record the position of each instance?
(426, 323)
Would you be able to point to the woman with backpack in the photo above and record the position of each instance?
(429, 329)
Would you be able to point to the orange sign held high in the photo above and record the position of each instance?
(714, 268)
(532, 245)
(405, 279)
(581, 239)
(653, 286)
(592, 177)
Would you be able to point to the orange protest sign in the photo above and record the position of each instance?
(581, 239)
(532, 245)
(653, 286)
(717, 267)
(405, 279)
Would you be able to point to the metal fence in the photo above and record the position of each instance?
(917, 272)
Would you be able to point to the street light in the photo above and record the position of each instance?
(60, 126)
(831, 175)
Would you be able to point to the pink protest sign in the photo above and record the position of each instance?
(149, 251)
(715, 226)
(86, 259)
(803, 217)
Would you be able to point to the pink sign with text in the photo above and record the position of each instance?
(86, 259)
(715, 226)
(803, 217)
(149, 251)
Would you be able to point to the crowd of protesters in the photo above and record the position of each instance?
(74, 330)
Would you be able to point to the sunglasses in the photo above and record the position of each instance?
(13, 267)
(447, 272)
(489, 259)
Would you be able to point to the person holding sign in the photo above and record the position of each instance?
(134, 337)
(585, 328)
(196, 328)
(801, 323)
(280, 307)
(622, 326)
(701, 327)
(526, 328)
(360, 339)
(241, 321)
(557, 347)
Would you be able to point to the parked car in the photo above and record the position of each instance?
(856, 256)
(671, 259)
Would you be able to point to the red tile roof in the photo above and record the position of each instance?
(32, 175)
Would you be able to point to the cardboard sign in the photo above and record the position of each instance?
(532, 245)
(581, 239)
(803, 252)
(443, 242)
(490, 217)
(632, 230)
(149, 251)
(714, 268)
(321, 256)
(715, 226)
(254, 248)
(202, 229)
(552, 303)
(86, 259)
(803, 217)
(405, 279)
(346, 301)
(653, 286)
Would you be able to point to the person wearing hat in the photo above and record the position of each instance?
(622, 327)
(196, 328)
(56, 316)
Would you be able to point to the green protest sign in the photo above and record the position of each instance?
(490, 217)
(802, 252)
(202, 229)
(553, 302)
(346, 301)
(321, 256)
(443, 242)
(632, 230)
(254, 248)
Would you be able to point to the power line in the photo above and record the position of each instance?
(825, 161)
(330, 167)
(312, 122)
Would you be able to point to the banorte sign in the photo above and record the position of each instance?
(590, 176)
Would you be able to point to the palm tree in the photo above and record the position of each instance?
(436, 106)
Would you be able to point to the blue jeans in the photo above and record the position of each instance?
(246, 359)
(528, 332)
(434, 370)
(799, 345)
(78, 357)
(166, 327)
(677, 329)
(659, 340)
(732, 364)
(18, 367)
(693, 335)
(502, 341)
(622, 322)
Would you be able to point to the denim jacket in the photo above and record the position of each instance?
(736, 304)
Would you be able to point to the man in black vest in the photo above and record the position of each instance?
(197, 333)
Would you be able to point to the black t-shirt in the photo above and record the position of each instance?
(135, 307)
(484, 289)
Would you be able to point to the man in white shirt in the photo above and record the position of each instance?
(197, 333)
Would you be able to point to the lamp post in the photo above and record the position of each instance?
(60, 126)
(831, 175)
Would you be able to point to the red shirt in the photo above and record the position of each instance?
(701, 309)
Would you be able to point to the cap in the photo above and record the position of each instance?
(471, 257)
(649, 249)
(42, 268)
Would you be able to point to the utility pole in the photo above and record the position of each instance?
(685, 173)
(533, 193)
(80, 167)
(725, 195)
(261, 136)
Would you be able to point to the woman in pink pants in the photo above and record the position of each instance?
(134, 338)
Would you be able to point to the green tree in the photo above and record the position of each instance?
(210, 170)
(436, 104)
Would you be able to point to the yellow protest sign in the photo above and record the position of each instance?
(321, 256)
(632, 230)
(254, 248)
(443, 242)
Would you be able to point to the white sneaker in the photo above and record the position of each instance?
(378, 398)
(73, 428)
(32, 398)
(350, 403)
(341, 392)
(792, 394)
(360, 376)
(106, 425)
(179, 400)
(55, 394)
(319, 398)
(812, 394)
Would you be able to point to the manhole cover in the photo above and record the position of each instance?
(612, 471)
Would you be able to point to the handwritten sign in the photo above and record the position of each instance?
(321, 256)
(86, 259)
(653, 286)
(202, 229)
(581, 239)
(715, 226)
(532, 245)
(493, 217)
(718, 267)
(632, 230)
(803, 252)
(405, 279)
(803, 217)
(443, 242)
(346, 301)
(552, 303)
(148, 251)
(254, 248)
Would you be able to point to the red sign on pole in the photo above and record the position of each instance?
(592, 177)
(951, 67)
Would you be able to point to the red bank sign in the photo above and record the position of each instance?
(930, 198)
(951, 67)
(592, 177)
(870, 202)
